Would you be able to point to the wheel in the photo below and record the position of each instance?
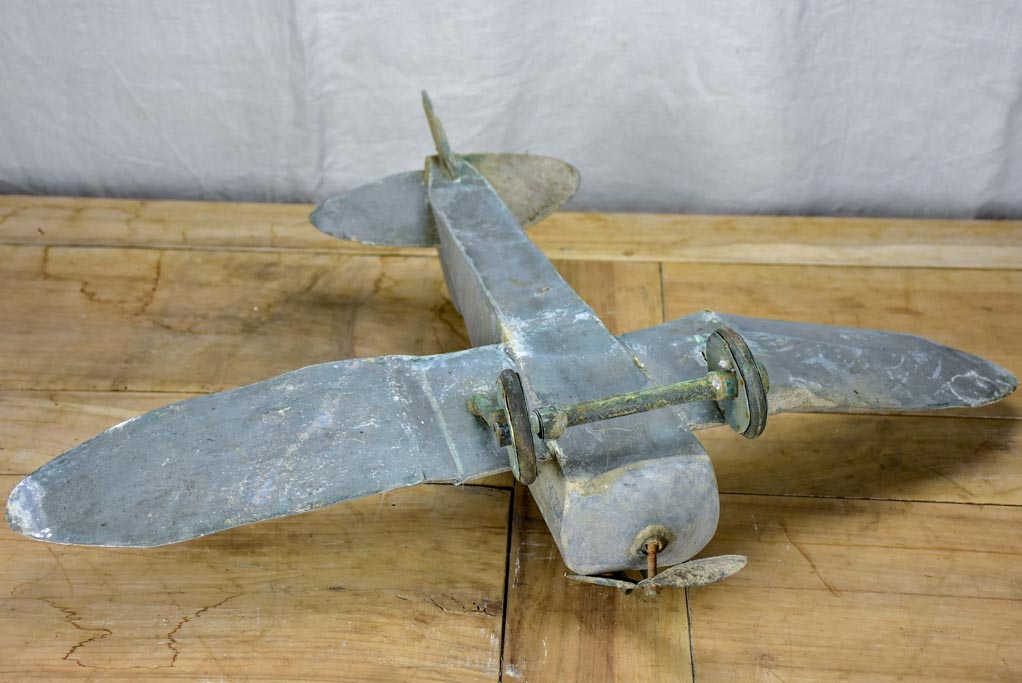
(746, 413)
(522, 451)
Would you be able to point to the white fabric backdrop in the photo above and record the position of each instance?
(910, 107)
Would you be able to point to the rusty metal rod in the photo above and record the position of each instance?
(652, 548)
(714, 386)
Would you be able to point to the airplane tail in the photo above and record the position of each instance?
(394, 211)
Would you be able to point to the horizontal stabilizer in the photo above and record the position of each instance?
(394, 211)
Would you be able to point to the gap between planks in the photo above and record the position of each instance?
(876, 242)
(759, 258)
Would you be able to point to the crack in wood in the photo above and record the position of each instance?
(72, 618)
(172, 642)
(151, 294)
(100, 632)
(812, 564)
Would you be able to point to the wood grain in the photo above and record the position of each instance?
(839, 590)
(574, 236)
(402, 586)
(625, 296)
(899, 243)
(201, 321)
(39, 425)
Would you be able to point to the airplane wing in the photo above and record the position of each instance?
(296, 442)
(824, 368)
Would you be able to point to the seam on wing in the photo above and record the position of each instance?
(427, 389)
(393, 372)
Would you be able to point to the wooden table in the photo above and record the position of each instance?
(880, 548)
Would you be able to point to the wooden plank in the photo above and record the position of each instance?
(782, 239)
(865, 456)
(199, 321)
(839, 590)
(626, 296)
(39, 425)
(979, 311)
(558, 631)
(64, 221)
(152, 320)
(405, 586)
(566, 236)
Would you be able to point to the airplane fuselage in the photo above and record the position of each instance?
(606, 485)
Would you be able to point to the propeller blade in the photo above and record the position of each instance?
(691, 574)
(620, 584)
(695, 573)
(394, 211)
(293, 443)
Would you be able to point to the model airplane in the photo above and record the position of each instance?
(601, 428)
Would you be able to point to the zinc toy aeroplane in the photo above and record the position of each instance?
(601, 428)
